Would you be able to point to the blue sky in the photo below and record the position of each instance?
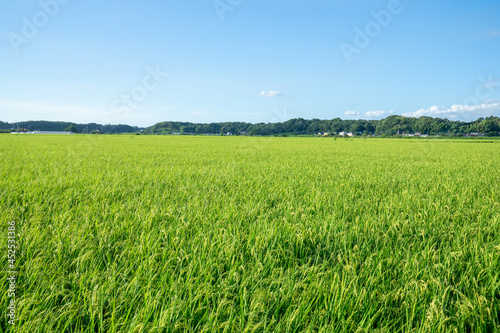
(242, 60)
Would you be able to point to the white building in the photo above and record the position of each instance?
(44, 132)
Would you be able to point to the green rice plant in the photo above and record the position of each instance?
(220, 234)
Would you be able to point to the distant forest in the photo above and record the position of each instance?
(390, 126)
(42, 125)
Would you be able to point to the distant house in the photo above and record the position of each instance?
(346, 133)
(229, 134)
(44, 132)
(52, 132)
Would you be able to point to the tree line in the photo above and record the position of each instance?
(392, 125)
(42, 125)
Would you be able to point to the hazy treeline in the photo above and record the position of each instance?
(391, 125)
(42, 125)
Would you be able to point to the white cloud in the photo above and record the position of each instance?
(460, 111)
(352, 113)
(376, 114)
(495, 33)
(270, 93)
(491, 84)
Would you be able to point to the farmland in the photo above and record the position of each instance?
(251, 234)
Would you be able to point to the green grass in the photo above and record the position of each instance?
(248, 234)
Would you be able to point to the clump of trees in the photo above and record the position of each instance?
(71, 128)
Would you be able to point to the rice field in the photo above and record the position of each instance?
(251, 234)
